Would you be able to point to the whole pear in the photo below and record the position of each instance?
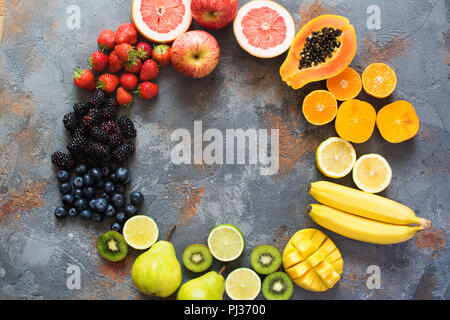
(157, 271)
(210, 286)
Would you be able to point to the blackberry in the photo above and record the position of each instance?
(77, 144)
(110, 109)
(123, 152)
(97, 99)
(71, 121)
(62, 160)
(81, 108)
(92, 118)
(97, 149)
(99, 134)
(115, 140)
(80, 130)
(126, 126)
(110, 127)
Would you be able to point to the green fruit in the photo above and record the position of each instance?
(277, 286)
(265, 259)
(157, 271)
(197, 258)
(112, 246)
(210, 286)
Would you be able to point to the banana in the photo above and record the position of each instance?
(360, 228)
(364, 204)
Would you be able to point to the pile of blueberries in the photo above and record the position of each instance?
(97, 193)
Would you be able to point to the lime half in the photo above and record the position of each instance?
(226, 242)
(243, 284)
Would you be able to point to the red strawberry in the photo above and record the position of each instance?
(106, 40)
(149, 71)
(98, 61)
(126, 33)
(115, 64)
(161, 54)
(124, 97)
(147, 90)
(125, 52)
(128, 81)
(144, 50)
(133, 66)
(84, 79)
(108, 82)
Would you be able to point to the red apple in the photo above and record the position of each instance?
(214, 14)
(195, 54)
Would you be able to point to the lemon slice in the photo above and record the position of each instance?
(140, 232)
(226, 242)
(243, 284)
(372, 173)
(335, 157)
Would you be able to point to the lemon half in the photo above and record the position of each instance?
(372, 173)
(335, 157)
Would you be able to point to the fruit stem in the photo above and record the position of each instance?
(223, 269)
(424, 224)
(308, 208)
(172, 229)
(309, 187)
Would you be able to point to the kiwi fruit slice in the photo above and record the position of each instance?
(197, 258)
(277, 286)
(112, 246)
(265, 259)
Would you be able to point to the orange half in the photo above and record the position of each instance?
(379, 80)
(319, 107)
(346, 85)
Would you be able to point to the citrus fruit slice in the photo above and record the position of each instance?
(379, 80)
(372, 173)
(264, 28)
(140, 232)
(226, 242)
(335, 157)
(243, 284)
(161, 20)
(346, 85)
(319, 107)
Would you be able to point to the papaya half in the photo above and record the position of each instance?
(322, 49)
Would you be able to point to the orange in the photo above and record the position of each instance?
(379, 80)
(355, 121)
(319, 107)
(346, 85)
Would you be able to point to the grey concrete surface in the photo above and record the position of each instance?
(37, 55)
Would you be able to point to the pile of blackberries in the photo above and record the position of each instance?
(97, 193)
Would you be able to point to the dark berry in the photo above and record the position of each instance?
(73, 212)
(123, 152)
(97, 149)
(68, 200)
(63, 176)
(118, 200)
(116, 226)
(136, 198)
(88, 181)
(126, 126)
(91, 204)
(62, 160)
(86, 215)
(80, 204)
(97, 217)
(115, 140)
(127, 181)
(110, 109)
(110, 211)
(99, 134)
(80, 169)
(65, 188)
(81, 108)
(96, 174)
(60, 212)
(101, 205)
(97, 99)
(130, 210)
(105, 196)
(109, 187)
(99, 184)
(107, 159)
(77, 144)
(122, 174)
(120, 217)
(105, 171)
(119, 188)
(71, 121)
(112, 177)
(78, 182)
(92, 118)
(89, 192)
(78, 194)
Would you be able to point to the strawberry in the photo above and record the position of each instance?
(149, 71)
(125, 52)
(115, 64)
(84, 79)
(128, 81)
(126, 33)
(108, 82)
(161, 54)
(144, 50)
(106, 40)
(98, 61)
(147, 90)
(133, 66)
(124, 97)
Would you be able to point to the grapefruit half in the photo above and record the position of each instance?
(161, 20)
(264, 28)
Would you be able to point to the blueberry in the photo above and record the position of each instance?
(110, 211)
(116, 227)
(127, 181)
(60, 212)
(91, 204)
(65, 188)
(112, 177)
(136, 198)
(80, 204)
(86, 215)
(101, 205)
(96, 174)
(105, 196)
(122, 174)
(68, 200)
(119, 188)
(120, 217)
(105, 171)
(73, 212)
(118, 200)
(78, 182)
(88, 181)
(99, 184)
(109, 187)
(107, 159)
(63, 176)
(80, 169)
(97, 217)
(130, 210)
(89, 192)
(78, 193)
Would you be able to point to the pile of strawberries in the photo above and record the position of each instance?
(140, 63)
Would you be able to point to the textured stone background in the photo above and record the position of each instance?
(37, 55)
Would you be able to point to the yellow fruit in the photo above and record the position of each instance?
(140, 232)
(335, 157)
(312, 260)
(372, 173)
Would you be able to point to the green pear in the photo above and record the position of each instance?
(210, 286)
(157, 271)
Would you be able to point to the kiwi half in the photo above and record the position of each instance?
(277, 286)
(265, 259)
(197, 258)
(112, 246)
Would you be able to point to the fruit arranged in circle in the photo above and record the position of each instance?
(322, 49)
(372, 173)
(379, 80)
(226, 242)
(335, 157)
(264, 29)
(214, 14)
(398, 121)
(197, 258)
(161, 20)
(355, 121)
(112, 246)
(346, 85)
(265, 259)
(312, 260)
(243, 284)
(319, 107)
(140, 232)
(277, 286)
(195, 54)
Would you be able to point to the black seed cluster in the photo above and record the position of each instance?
(319, 46)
